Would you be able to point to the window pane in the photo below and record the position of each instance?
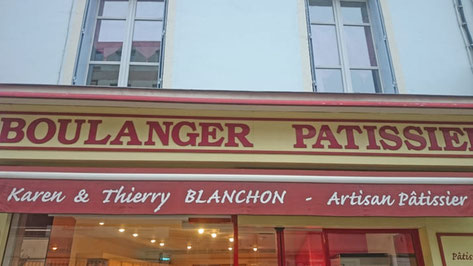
(324, 45)
(108, 40)
(143, 76)
(303, 248)
(145, 241)
(329, 80)
(150, 9)
(146, 41)
(321, 11)
(383, 249)
(29, 237)
(113, 8)
(354, 12)
(257, 246)
(365, 81)
(360, 46)
(103, 75)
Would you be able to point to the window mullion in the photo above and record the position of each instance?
(343, 51)
(281, 250)
(94, 62)
(91, 50)
(373, 42)
(161, 47)
(109, 18)
(127, 43)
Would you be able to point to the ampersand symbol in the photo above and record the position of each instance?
(82, 196)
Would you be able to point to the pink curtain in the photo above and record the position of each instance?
(108, 48)
(147, 49)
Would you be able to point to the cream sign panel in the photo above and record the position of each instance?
(115, 132)
(456, 249)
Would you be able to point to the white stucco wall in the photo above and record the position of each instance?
(237, 45)
(429, 47)
(240, 45)
(32, 38)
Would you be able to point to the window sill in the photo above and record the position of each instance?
(293, 101)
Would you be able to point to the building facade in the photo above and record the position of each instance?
(203, 132)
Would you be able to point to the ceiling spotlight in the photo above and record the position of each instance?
(153, 241)
(121, 230)
(54, 248)
(201, 230)
(230, 248)
(255, 249)
(213, 235)
(101, 223)
(231, 239)
(189, 246)
(135, 235)
(161, 244)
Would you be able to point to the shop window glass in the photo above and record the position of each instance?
(370, 249)
(37, 240)
(337, 247)
(303, 248)
(30, 233)
(257, 246)
(119, 241)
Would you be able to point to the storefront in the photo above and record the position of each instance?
(178, 181)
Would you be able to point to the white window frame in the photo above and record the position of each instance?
(467, 33)
(379, 38)
(87, 41)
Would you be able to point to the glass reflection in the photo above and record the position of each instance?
(354, 12)
(108, 40)
(146, 41)
(257, 246)
(28, 240)
(329, 80)
(365, 81)
(321, 11)
(325, 45)
(103, 75)
(143, 76)
(361, 51)
(150, 9)
(383, 249)
(303, 248)
(82, 241)
(113, 8)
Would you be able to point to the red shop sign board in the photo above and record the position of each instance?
(257, 198)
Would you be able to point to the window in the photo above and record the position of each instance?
(257, 246)
(39, 239)
(349, 52)
(361, 247)
(373, 247)
(193, 240)
(122, 43)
